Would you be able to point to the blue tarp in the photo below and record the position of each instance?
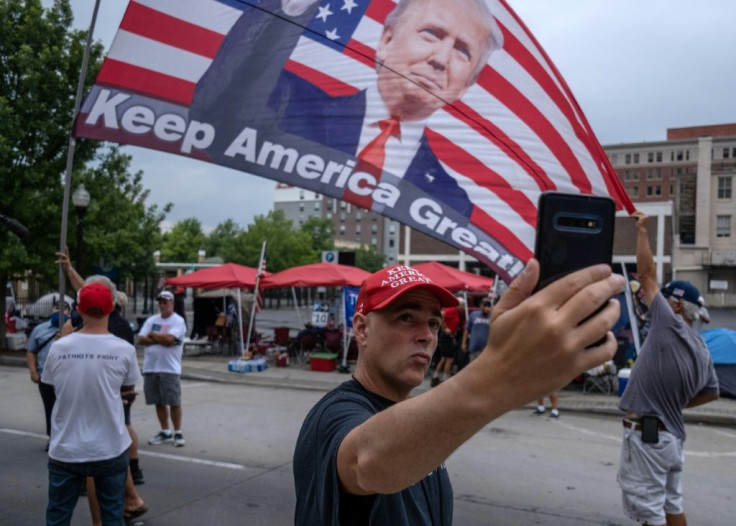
(722, 345)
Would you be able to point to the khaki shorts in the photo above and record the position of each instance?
(162, 389)
(650, 477)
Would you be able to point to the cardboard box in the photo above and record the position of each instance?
(323, 361)
(15, 341)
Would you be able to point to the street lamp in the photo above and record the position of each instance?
(80, 198)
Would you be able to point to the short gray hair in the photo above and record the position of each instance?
(494, 38)
(98, 278)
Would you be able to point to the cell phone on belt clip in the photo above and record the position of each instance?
(573, 232)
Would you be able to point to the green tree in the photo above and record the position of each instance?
(285, 247)
(322, 232)
(40, 60)
(120, 229)
(368, 259)
(182, 244)
(222, 240)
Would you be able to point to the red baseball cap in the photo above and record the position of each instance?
(388, 284)
(95, 300)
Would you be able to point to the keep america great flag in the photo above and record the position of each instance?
(299, 90)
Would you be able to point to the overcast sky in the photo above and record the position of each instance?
(636, 68)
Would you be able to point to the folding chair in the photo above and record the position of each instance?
(602, 383)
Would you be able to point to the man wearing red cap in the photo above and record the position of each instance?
(88, 369)
(673, 371)
(367, 452)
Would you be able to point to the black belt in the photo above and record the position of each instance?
(636, 426)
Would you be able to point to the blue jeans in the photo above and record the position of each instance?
(66, 479)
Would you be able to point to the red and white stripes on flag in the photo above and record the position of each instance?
(517, 132)
(258, 304)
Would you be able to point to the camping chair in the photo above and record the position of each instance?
(600, 379)
(302, 346)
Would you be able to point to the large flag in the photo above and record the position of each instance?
(445, 115)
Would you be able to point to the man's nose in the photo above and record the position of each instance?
(441, 55)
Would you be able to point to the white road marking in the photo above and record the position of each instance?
(688, 453)
(167, 456)
(192, 460)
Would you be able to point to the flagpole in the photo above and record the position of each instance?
(255, 299)
(70, 153)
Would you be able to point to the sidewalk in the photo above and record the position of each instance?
(213, 368)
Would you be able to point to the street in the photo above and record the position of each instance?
(236, 466)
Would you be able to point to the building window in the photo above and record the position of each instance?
(679, 155)
(633, 192)
(328, 215)
(659, 157)
(390, 243)
(343, 216)
(654, 174)
(357, 229)
(614, 158)
(726, 152)
(343, 205)
(358, 215)
(627, 159)
(301, 207)
(723, 226)
(374, 229)
(316, 206)
(654, 190)
(724, 188)
(342, 230)
(374, 241)
(632, 175)
(301, 194)
(672, 190)
(650, 157)
(636, 158)
(392, 228)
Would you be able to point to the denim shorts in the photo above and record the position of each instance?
(162, 389)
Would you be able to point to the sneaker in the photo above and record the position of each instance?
(554, 414)
(179, 440)
(160, 438)
(538, 411)
(137, 477)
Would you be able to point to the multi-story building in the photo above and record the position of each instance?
(692, 173)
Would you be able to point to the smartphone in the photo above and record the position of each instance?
(650, 429)
(573, 232)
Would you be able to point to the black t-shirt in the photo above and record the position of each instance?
(319, 499)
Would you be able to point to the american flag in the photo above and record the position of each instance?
(517, 132)
(258, 290)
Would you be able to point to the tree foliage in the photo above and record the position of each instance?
(322, 232)
(184, 241)
(40, 60)
(120, 230)
(368, 259)
(285, 247)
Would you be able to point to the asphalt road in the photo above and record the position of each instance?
(236, 466)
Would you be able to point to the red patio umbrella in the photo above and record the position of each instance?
(227, 276)
(454, 279)
(317, 275)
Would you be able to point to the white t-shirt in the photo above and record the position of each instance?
(159, 358)
(87, 372)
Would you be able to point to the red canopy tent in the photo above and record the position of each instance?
(227, 276)
(317, 275)
(454, 279)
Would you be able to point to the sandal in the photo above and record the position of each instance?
(132, 514)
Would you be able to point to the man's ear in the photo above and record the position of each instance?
(360, 328)
(386, 36)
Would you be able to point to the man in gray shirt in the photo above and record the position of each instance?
(673, 371)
